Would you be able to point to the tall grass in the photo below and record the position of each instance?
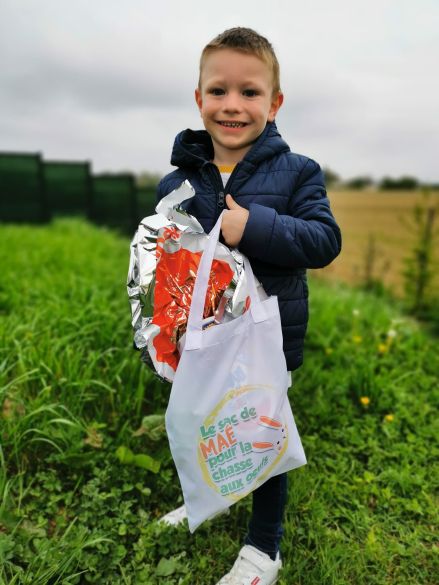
(73, 393)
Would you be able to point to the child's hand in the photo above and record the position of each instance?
(233, 224)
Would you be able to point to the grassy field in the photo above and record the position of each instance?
(82, 435)
(386, 217)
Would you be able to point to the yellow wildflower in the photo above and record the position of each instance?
(383, 348)
(357, 339)
(365, 400)
(389, 417)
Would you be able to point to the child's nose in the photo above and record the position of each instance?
(232, 103)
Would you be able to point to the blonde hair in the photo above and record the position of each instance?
(245, 40)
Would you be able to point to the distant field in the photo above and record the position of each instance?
(384, 216)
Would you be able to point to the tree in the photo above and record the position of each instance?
(359, 182)
(147, 179)
(331, 177)
(401, 184)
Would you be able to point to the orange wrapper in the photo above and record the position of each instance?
(175, 279)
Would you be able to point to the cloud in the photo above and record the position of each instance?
(113, 82)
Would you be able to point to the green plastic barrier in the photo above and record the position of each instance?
(68, 187)
(146, 201)
(22, 188)
(114, 201)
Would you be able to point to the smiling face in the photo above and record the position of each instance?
(236, 101)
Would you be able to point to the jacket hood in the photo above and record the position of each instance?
(194, 148)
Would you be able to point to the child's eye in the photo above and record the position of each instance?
(250, 92)
(217, 91)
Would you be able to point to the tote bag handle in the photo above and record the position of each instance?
(195, 320)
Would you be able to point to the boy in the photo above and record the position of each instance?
(278, 216)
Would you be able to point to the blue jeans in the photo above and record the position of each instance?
(265, 528)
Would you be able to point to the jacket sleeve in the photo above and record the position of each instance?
(307, 237)
(159, 192)
(168, 183)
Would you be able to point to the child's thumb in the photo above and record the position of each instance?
(231, 203)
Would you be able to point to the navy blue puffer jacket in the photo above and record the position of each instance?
(290, 225)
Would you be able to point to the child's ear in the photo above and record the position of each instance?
(198, 98)
(276, 103)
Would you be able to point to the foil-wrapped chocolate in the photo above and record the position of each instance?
(165, 253)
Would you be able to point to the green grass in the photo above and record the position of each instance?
(74, 508)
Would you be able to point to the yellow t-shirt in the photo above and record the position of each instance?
(225, 172)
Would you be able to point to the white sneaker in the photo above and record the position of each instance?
(252, 567)
(175, 517)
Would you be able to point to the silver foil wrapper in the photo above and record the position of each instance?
(163, 260)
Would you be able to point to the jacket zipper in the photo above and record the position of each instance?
(229, 182)
(220, 190)
(217, 184)
(221, 200)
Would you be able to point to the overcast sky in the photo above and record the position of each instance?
(112, 81)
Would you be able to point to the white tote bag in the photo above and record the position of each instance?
(229, 422)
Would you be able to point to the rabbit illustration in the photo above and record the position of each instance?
(279, 435)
